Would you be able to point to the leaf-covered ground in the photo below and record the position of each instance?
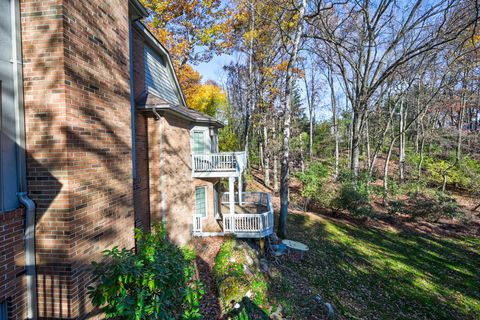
(377, 273)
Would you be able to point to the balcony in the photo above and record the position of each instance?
(251, 217)
(218, 165)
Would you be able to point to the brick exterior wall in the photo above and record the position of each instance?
(179, 189)
(79, 154)
(179, 183)
(12, 262)
(142, 181)
(76, 72)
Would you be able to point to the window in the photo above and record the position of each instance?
(198, 142)
(201, 201)
(4, 310)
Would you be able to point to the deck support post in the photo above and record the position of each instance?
(240, 189)
(262, 247)
(231, 194)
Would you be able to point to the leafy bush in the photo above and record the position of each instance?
(313, 182)
(396, 206)
(465, 174)
(353, 194)
(157, 282)
(353, 199)
(432, 208)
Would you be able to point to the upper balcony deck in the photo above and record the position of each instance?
(218, 165)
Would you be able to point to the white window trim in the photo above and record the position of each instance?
(206, 201)
(216, 205)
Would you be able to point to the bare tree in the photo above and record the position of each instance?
(289, 81)
(372, 40)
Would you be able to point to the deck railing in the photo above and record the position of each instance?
(224, 161)
(249, 224)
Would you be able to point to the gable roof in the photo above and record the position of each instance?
(152, 102)
(163, 52)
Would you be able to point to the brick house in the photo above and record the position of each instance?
(96, 139)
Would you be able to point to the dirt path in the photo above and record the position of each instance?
(206, 250)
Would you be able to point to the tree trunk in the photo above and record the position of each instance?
(275, 159)
(401, 128)
(302, 163)
(358, 114)
(285, 170)
(310, 145)
(460, 128)
(420, 151)
(251, 92)
(267, 158)
(260, 151)
(333, 100)
(367, 138)
(385, 171)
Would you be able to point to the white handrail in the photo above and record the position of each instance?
(249, 223)
(224, 161)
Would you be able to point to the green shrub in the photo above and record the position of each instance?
(313, 182)
(157, 282)
(396, 206)
(431, 208)
(464, 174)
(353, 199)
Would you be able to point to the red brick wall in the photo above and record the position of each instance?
(142, 181)
(12, 261)
(78, 142)
(179, 185)
(47, 157)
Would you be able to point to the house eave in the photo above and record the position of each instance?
(171, 110)
(138, 11)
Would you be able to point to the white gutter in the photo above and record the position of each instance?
(30, 263)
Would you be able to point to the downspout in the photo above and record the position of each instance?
(30, 263)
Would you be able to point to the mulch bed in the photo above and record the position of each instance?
(206, 250)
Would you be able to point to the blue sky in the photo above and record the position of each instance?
(213, 70)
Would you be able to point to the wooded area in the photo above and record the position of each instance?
(350, 97)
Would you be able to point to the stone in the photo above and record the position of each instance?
(248, 258)
(264, 265)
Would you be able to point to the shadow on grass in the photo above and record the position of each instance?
(373, 273)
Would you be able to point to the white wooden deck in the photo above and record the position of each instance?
(257, 223)
(218, 165)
